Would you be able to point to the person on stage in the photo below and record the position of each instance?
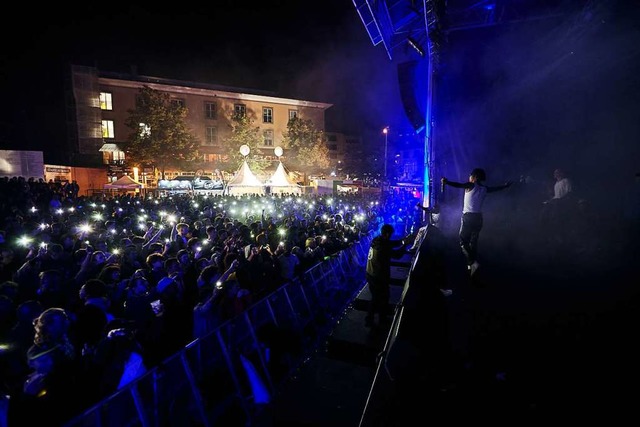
(475, 192)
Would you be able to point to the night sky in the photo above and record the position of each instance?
(562, 93)
(316, 52)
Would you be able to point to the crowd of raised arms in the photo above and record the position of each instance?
(87, 282)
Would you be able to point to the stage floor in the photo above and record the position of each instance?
(533, 340)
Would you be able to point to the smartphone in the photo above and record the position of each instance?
(156, 306)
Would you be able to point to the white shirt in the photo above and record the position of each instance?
(474, 199)
(561, 188)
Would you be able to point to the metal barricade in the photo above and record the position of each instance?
(228, 376)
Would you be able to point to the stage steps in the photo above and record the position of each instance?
(332, 387)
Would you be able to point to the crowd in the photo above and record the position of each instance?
(93, 291)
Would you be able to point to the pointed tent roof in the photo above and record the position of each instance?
(280, 178)
(124, 182)
(244, 177)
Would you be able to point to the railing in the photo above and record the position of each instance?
(228, 376)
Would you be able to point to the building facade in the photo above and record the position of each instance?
(345, 153)
(98, 105)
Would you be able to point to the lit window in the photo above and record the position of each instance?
(105, 101)
(118, 155)
(240, 109)
(211, 135)
(107, 129)
(210, 110)
(268, 138)
(267, 115)
(293, 114)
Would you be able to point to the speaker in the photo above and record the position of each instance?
(407, 83)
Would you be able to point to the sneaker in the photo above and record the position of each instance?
(446, 292)
(474, 267)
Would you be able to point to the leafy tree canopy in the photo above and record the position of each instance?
(243, 132)
(159, 135)
(306, 145)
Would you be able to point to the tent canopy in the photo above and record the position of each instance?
(245, 182)
(124, 183)
(280, 181)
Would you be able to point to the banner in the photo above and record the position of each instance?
(28, 164)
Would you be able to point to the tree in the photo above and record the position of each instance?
(244, 133)
(306, 145)
(159, 134)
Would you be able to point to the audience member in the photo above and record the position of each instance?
(161, 285)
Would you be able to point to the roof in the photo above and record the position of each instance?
(109, 148)
(203, 89)
(125, 182)
(244, 177)
(280, 178)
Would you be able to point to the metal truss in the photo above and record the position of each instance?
(403, 24)
(423, 25)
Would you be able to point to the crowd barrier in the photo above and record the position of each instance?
(232, 374)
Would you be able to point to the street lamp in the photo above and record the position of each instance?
(386, 133)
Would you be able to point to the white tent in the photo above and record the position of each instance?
(124, 183)
(245, 182)
(281, 183)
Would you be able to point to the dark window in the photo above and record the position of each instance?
(267, 115)
(211, 135)
(240, 109)
(210, 110)
(268, 138)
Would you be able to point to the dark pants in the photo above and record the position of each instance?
(470, 226)
(379, 297)
(557, 217)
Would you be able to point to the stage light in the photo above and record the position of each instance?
(415, 45)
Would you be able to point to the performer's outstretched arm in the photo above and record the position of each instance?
(499, 187)
(457, 184)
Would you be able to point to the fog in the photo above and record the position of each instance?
(519, 100)
(527, 99)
